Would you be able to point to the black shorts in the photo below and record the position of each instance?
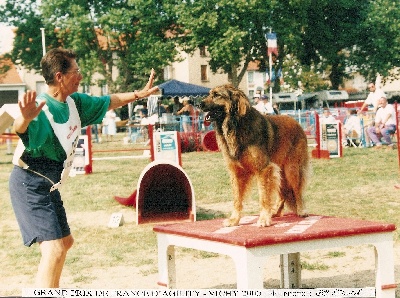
(40, 213)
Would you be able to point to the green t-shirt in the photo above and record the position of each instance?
(40, 140)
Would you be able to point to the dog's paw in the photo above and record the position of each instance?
(265, 218)
(263, 222)
(303, 214)
(231, 222)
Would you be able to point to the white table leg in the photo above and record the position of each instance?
(166, 262)
(384, 263)
(250, 262)
(290, 271)
(249, 270)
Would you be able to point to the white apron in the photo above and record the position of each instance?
(68, 135)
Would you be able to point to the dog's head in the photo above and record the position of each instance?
(225, 100)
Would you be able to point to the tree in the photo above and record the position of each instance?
(378, 45)
(347, 36)
(332, 30)
(303, 78)
(234, 31)
(107, 36)
(25, 17)
(334, 37)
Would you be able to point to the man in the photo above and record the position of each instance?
(373, 97)
(267, 110)
(258, 104)
(385, 124)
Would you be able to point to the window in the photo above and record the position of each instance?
(204, 72)
(8, 96)
(86, 88)
(250, 77)
(167, 72)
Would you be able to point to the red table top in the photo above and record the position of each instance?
(288, 228)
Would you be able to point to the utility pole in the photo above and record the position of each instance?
(43, 42)
(270, 71)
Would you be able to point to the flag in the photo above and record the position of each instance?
(272, 44)
(275, 75)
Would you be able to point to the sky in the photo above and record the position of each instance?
(6, 36)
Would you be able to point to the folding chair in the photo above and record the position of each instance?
(354, 138)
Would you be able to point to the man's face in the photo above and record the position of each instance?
(72, 78)
(371, 87)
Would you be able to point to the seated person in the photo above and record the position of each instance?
(327, 117)
(352, 126)
(143, 113)
(352, 132)
(142, 130)
(385, 124)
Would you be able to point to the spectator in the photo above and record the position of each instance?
(143, 113)
(327, 117)
(109, 125)
(49, 128)
(373, 97)
(160, 109)
(176, 106)
(276, 109)
(187, 115)
(268, 110)
(385, 125)
(142, 128)
(258, 104)
(352, 125)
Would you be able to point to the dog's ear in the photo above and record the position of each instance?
(239, 102)
(243, 103)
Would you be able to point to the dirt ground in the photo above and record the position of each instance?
(346, 267)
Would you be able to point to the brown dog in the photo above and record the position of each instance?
(271, 148)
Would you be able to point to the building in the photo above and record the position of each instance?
(12, 86)
(255, 80)
(195, 69)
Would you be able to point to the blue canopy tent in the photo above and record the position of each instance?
(177, 88)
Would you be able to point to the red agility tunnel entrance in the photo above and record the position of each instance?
(164, 193)
(210, 141)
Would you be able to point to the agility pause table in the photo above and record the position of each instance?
(249, 246)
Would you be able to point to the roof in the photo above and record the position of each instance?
(11, 76)
(253, 66)
(178, 88)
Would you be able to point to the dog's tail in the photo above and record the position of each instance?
(293, 195)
